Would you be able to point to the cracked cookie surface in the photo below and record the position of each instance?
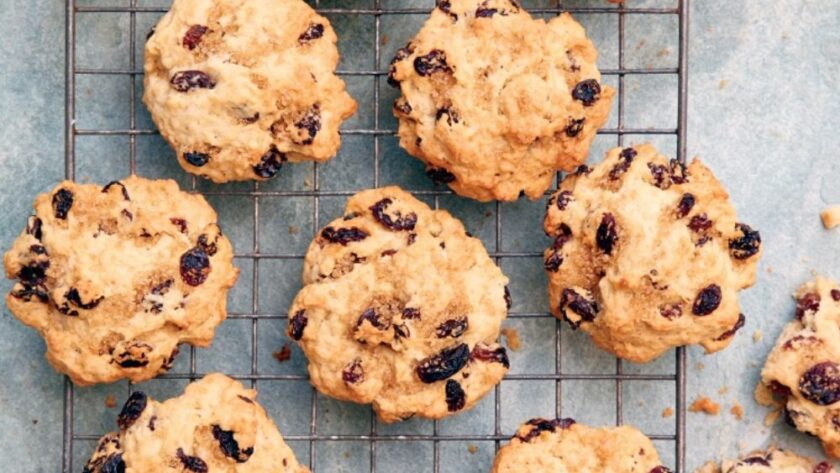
(494, 102)
(803, 369)
(562, 445)
(115, 277)
(240, 87)
(401, 308)
(648, 255)
(216, 426)
(774, 460)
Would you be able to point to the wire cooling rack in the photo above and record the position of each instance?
(366, 19)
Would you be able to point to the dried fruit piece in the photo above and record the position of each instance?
(835, 294)
(807, 304)
(132, 410)
(411, 313)
(660, 469)
(686, 204)
(431, 63)
(397, 223)
(747, 245)
(33, 227)
(700, 223)
(343, 236)
(574, 127)
(353, 373)
(192, 38)
(111, 184)
(544, 425)
(196, 159)
(586, 309)
(731, 332)
(821, 383)
(452, 328)
(180, 223)
(194, 464)
(113, 464)
(297, 323)
(74, 298)
(184, 81)
(62, 201)
(626, 157)
(229, 445)
(269, 163)
(484, 12)
(313, 32)
(195, 266)
(707, 301)
(440, 175)
(400, 55)
(606, 236)
(587, 91)
(563, 199)
(484, 353)
(508, 299)
(670, 311)
(444, 364)
(456, 398)
(311, 123)
(402, 106)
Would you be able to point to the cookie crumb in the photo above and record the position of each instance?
(664, 52)
(667, 412)
(282, 354)
(699, 366)
(110, 401)
(705, 405)
(307, 183)
(384, 40)
(294, 229)
(34, 421)
(831, 217)
(723, 390)
(757, 336)
(737, 410)
(512, 337)
(772, 417)
(472, 449)
(722, 84)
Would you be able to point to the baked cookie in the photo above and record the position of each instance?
(216, 426)
(774, 460)
(648, 255)
(115, 277)
(401, 308)
(238, 87)
(561, 445)
(495, 101)
(803, 370)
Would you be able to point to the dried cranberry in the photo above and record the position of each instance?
(400, 223)
(353, 373)
(313, 32)
(823, 467)
(343, 236)
(194, 464)
(74, 298)
(508, 299)
(835, 294)
(33, 227)
(821, 383)
(116, 183)
(192, 38)
(626, 157)
(196, 159)
(444, 364)
(563, 199)
(809, 303)
(586, 309)
(574, 127)
(456, 398)
(587, 91)
(699, 223)
(670, 311)
(452, 328)
(229, 445)
(180, 223)
(660, 469)
(485, 353)
(731, 332)
(185, 81)
(708, 300)
(431, 63)
(606, 236)
(440, 175)
(195, 266)
(132, 410)
(544, 425)
(297, 323)
(747, 245)
(686, 204)
(799, 340)
(62, 201)
(779, 389)
(269, 163)
(311, 122)
(402, 106)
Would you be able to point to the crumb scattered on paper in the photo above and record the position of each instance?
(294, 230)
(640, 44)
(472, 449)
(110, 401)
(757, 336)
(699, 366)
(667, 412)
(34, 421)
(722, 84)
(283, 354)
(705, 405)
(831, 217)
(772, 417)
(663, 52)
(770, 270)
(737, 410)
(307, 183)
(723, 390)
(488, 214)
(512, 337)
(384, 39)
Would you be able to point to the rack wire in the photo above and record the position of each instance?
(258, 193)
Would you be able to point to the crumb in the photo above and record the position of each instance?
(472, 449)
(283, 354)
(512, 337)
(722, 84)
(831, 217)
(307, 183)
(699, 366)
(346, 454)
(705, 405)
(110, 401)
(384, 39)
(667, 412)
(757, 336)
(34, 421)
(294, 230)
(640, 45)
(737, 411)
(723, 390)
(663, 52)
(770, 270)
(772, 417)
(488, 214)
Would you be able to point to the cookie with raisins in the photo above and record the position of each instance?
(115, 277)
(542, 445)
(240, 87)
(494, 101)
(648, 255)
(769, 461)
(802, 372)
(215, 426)
(401, 308)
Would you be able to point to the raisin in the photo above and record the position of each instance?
(111, 184)
(446, 7)
(582, 170)
(659, 172)
(707, 301)
(606, 235)
(626, 157)
(699, 223)
(185, 81)
(402, 106)
(410, 313)
(195, 266)
(452, 328)
(75, 299)
(34, 273)
(297, 323)
(586, 309)
(229, 445)
(136, 355)
(574, 127)
(670, 311)
(343, 236)
(451, 115)
(180, 223)
(401, 223)
(192, 38)
(484, 12)
(431, 63)
(400, 55)
(553, 262)
(209, 248)
(660, 469)
(544, 425)
(269, 163)
(62, 201)
(132, 410)
(508, 299)
(835, 294)
(747, 245)
(33, 227)
(444, 364)
(563, 199)
(809, 303)
(755, 461)
(196, 159)
(311, 122)
(440, 175)
(114, 464)
(779, 389)
(28, 291)
(587, 91)
(799, 340)
(686, 204)
(401, 331)
(372, 317)
(456, 398)
(194, 464)
(485, 353)
(823, 467)
(821, 383)
(731, 332)
(313, 32)
(353, 373)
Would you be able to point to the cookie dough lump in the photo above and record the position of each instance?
(648, 255)
(494, 102)
(239, 87)
(115, 277)
(401, 308)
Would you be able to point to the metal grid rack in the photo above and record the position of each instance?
(134, 70)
